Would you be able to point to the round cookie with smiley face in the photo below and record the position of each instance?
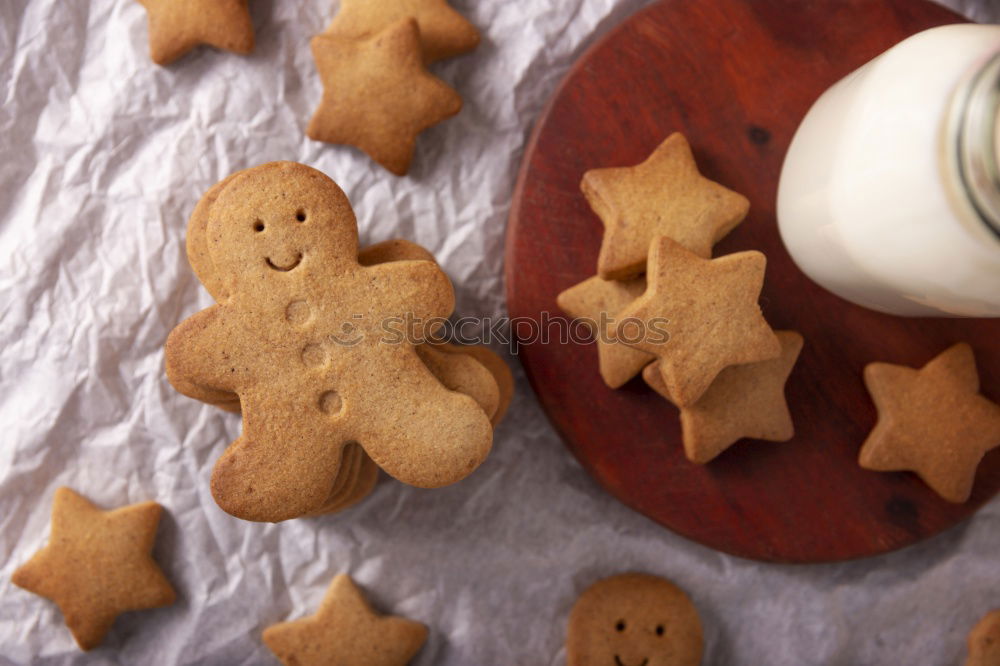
(634, 619)
(984, 641)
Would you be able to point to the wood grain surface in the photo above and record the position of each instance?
(736, 77)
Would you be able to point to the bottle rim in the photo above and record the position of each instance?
(978, 143)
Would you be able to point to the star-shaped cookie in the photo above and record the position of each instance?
(377, 95)
(97, 565)
(177, 26)
(444, 33)
(596, 300)
(698, 316)
(663, 196)
(345, 630)
(744, 401)
(931, 421)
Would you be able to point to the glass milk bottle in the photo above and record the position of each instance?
(890, 191)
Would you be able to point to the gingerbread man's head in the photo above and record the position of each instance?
(278, 221)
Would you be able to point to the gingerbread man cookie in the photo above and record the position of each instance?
(497, 368)
(355, 480)
(474, 369)
(299, 338)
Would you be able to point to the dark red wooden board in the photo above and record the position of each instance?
(735, 76)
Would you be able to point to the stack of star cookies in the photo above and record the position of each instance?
(327, 351)
(660, 305)
(378, 94)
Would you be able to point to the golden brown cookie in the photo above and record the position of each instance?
(984, 641)
(462, 373)
(663, 196)
(345, 630)
(196, 246)
(744, 401)
(350, 465)
(497, 367)
(596, 300)
(698, 316)
(97, 565)
(177, 26)
(396, 249)
(356, 479)
(300, 339)
(444, 33)
(931, 421)
(363, 485)
(377, 95)
(196, 243)
(633, 620)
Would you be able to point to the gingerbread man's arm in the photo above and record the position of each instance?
(419, 288)
(200, 355)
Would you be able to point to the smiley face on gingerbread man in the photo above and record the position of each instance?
(284, 242)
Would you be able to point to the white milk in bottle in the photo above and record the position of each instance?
(890, 191)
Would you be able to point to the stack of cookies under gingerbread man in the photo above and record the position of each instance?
(326, 351)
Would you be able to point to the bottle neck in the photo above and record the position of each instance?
(977, 132)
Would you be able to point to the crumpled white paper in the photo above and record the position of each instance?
(103, 157)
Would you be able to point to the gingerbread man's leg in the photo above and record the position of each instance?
(417, 430)
(279, 468)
